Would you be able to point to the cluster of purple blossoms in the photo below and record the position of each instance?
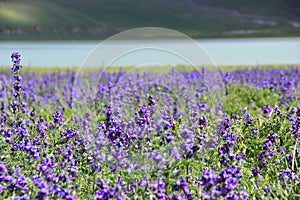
(248, 119)
(158, 188)
(287, 174)
(15, 58)
(14, 181)
(268, 151)
(104, 192)
(143, 116)
(266, 110)
(16, 103)
(57, 116)
(295, 130)
(226, 149)
(222, 185)
(181, 185)
(202, 122)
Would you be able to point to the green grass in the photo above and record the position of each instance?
(42, 70)
(98, 19)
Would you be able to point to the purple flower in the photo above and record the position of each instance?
(169, 137)
(255, 171)
(267, 189)
(151, 100)
(154, 186)
(15, 57)
(227, 123)
(70, 197)
(232, 196)
(74, 169)
(7, 133)
(208, 178)
(281, 149)
(57, 116)
(234, 116)
(243, 195)
(261, 165)
(231, 155)
(289, 158)
(22, 131)
(120, 196)
(142, 183)
(184, 186)
(62, 164)
(287, 174)
(202, 122)
(272, 137)
(230, 138)
(42, 193)
(254, 131)
(266, 110)
(143, 116)
(230, 183)
(271, 152)
(261, 156)
(132, 185)
(161, 184)
(240, 156)
(223, 149)
(156, 156)
(36, 155)
(234, 171)
(16, 67)
(1, 188)
(267, 143)
(2, 167)
(248, 119)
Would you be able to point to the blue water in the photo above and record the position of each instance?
(221, 51)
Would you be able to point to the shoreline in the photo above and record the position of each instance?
(39, 69)
(91, 39)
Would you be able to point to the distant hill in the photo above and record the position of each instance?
(98, 19)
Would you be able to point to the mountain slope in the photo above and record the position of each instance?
(94, 19)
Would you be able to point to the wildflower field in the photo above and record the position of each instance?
(142, 135)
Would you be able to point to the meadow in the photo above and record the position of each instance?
(124, 134)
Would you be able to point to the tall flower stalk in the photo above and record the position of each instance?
(16, 103)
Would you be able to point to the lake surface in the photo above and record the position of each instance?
(220, 51)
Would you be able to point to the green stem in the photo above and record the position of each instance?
(168, 181)
(294, 155)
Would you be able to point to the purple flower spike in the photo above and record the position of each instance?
(57, 116)
(230, 183)
(151, 100)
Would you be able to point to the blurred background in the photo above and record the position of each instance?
(98, 19)
(64, 21)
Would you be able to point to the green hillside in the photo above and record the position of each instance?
(97, 19)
